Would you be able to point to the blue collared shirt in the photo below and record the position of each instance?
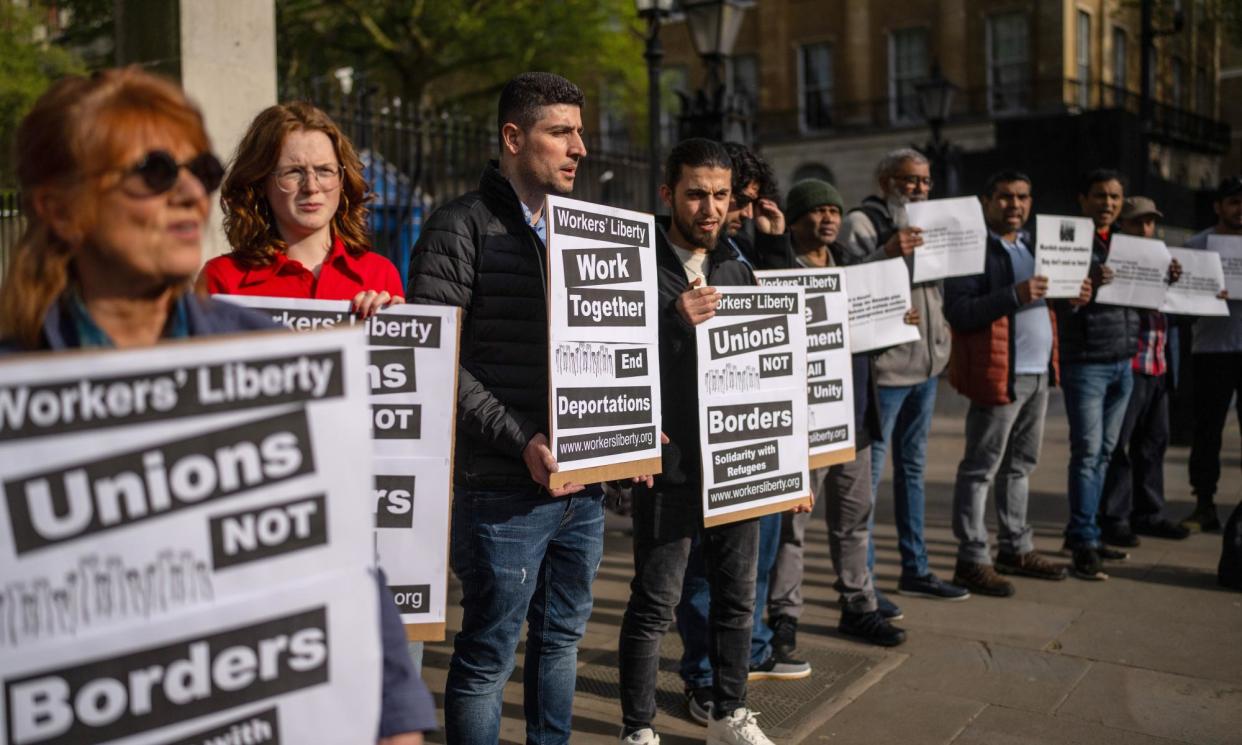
(541, 227)
(1032, 343)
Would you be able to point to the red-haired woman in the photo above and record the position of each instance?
(296, 216)
(115, 172)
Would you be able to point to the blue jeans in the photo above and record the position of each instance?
(1096, 395)
(695, 604)
(520, 557)
(905, 421)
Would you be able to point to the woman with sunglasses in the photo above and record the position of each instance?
(115, 172)
(295, 213)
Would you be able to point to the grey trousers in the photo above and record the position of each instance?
(846, 491)
(1002, 446)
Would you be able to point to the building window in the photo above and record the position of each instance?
(744, 77)
(908, 66)
(1177, 93)
(1203, 92)
(815, 85)
(1082, 58)
(1120, 66)
(1009, 63)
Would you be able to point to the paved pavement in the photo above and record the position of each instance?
(1153, 655)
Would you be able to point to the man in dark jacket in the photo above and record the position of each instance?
(1097, 343)
(1004, 360)
(691, 261)
(522, 550)
(814, 211)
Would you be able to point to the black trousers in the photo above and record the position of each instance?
(1134, 483)
(665, 523)
(1218, 375)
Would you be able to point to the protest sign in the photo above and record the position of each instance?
(135, 485)
(603, 342)
(1230, 249)
(1140, 267)
(753, 404)
(955, 238)
(1195, 292)
(296, 662)
(830, 371)
(1063, 253)
(879, 293)
(411, 372)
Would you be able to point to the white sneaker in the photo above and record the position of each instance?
(738, 728)
(645, 736)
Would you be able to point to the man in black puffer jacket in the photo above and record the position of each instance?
(521, 550)
(1097, 343)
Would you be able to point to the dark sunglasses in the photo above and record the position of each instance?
(159, 171)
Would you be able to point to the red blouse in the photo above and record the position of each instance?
(341, 276)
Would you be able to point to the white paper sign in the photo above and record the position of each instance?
(830, 370)
(1140, 266)
(411, 372)
(603, 342)
(1230, 249)
(292, 663)
(955, 238)
(1195, 292)
(879, 298)
(752, 403)
(151, 482)
(1063, 253)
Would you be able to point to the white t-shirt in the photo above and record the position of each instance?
(694, 263)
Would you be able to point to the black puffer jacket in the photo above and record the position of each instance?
(477, 252)
(1096, 332)
(679, 392)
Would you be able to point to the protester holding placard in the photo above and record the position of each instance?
(117, 171)
(1005, 361)
(907, 374)
(1133, 498)
(1216, 354)
(669, 515)
(295, 211)
(771, 658)
(815, 211)
(519, 548)
(1097, 343)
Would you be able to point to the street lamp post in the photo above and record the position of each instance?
(653, 11)
(715, 112)
(935, 96)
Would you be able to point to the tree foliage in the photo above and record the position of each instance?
(458, 53)
(28, 64)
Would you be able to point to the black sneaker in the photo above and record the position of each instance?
(1163, 528)
(779, 667)
(890, 610)
(1104, 552)
(1121, 537)
(870, 627)
(931, 586)
(1087, 564)
(784, 635)
(1202, 520)
(699, 703)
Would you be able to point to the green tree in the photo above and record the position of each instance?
(458, 53)
(28, 64)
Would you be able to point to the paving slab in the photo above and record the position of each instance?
(890, 713)
(1130, 639)
(989, 672)
(1161, 704)
(1013, 621)
(998, 725)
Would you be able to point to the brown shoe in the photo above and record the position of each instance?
(981, 579)
(1030, 564)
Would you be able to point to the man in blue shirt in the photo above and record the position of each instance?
(1004, 360)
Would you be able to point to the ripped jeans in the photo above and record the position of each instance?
(520, 556)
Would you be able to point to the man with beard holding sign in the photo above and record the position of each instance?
(668, 515)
